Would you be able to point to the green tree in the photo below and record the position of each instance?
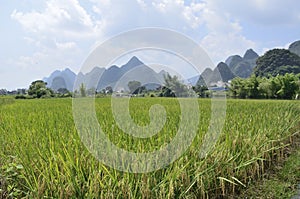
(298, 83)
(201, 90)
(38, 89)
(82, 90)
(134, 87)
(109, 90)
(238, 88)
(201, 87)
(251, 86)
(174, 87)
(63, 92)
(265, 88)
(281, 86)
(289, 86)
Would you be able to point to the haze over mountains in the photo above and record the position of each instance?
(61, 79)
(135, 69)
(234, 66)
(114, 76)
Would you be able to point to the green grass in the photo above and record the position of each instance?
(282, 181)
(41, 154)
(6, 100)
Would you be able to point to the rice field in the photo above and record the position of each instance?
(42, 156)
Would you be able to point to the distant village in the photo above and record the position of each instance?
(19, 91)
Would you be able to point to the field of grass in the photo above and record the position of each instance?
(41, 154)
(282, 181)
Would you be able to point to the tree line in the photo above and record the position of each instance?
(272, 87)
(279, 87)
(39, 89)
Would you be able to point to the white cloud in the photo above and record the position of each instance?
(262, 12)
(64, 54)
(221, 46)
(224, 36)
(61, 18)
(64, 26)
(58, 34)
(66, 45)
(286, 46)
(225, 21)
(119, 16)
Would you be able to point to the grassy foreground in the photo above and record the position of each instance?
(41, 154)
(282, 180)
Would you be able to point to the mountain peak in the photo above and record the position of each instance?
(134, 61)
(250, 54)
(294, 44)
(233, 60)
(222, 73)
(68, 70)
(61, 79)
(221, 64)
(207, 71)
(295, 47)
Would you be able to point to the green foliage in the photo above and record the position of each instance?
(201, 90)
(277, 62)
(63, 92)
(174, 87)
(134, 86)
(6, 100)
(21, 97)
(38, 89)
(11, 177)
(282, 87)
(283, 183)
(288, 86)
(82, 90)
(50, 161)
(108, 90)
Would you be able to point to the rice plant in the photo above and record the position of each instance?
(41, 154)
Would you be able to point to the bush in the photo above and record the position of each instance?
(20, 97)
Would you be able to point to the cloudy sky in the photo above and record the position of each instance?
(38, 37)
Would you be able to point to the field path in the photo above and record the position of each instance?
(298, 194)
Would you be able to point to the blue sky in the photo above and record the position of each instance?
(38, 37)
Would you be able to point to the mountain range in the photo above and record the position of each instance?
(143, 73)
(114, 76)
(134, 69)
(234, 66)
(61, 79)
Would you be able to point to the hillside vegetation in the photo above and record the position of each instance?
(277, 62)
